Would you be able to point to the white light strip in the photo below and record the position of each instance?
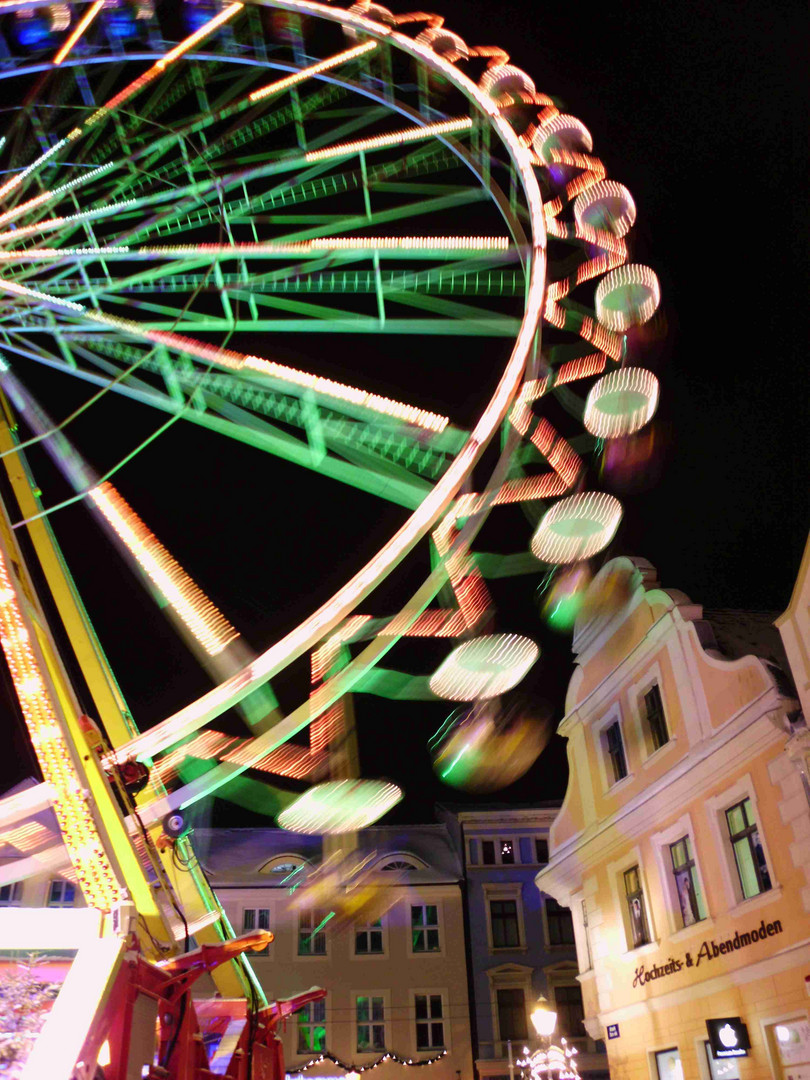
(395, 138)
(308, 73)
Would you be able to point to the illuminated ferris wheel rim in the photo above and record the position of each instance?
(331, 614)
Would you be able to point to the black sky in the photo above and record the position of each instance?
(701, 110)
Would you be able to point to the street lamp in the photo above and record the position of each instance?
(544, 1019)
(550, 1062)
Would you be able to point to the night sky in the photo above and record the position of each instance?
(701, 111)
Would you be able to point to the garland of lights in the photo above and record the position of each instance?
(389, 1055)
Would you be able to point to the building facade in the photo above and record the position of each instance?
(521, 942)
(683, 844)
(396, 983)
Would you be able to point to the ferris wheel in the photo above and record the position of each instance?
(232, 231)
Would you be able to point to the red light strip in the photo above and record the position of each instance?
(80, 28)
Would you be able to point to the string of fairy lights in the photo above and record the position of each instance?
(348, 1068)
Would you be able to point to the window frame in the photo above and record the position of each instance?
(429, 992)
(567, 983)
(636, 896)
(505, 891)
(15, 894)
(246, 930)
(716, 807)
(508, 976)
(599, 728)
(438, 926)
(653, 676)
(368, 929)
(64, 886)
(615, 872)
(745, 836)
(311, 1023)
(514, 1038)
(497, 840)
(384, 996)
(654, 730)
(310, 913)
(555, 945)
(662, 843)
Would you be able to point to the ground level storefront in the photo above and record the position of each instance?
(665, 1037)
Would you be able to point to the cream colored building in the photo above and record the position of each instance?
(399, 985)
(683, 843)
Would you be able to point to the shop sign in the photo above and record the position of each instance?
(728, 1037)
(709, 950)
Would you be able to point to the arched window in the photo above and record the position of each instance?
(398, 864)
(281, 866)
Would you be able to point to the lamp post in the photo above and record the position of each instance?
(549, 1062)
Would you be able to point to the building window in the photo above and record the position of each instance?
(507, 849)
(429, 1022)
(634, 895)
(311, 935)
(559, 922)
(541, 850)
(615, 751)
(425, 927)
(656, 721)
(61, 893)
(398, 864)
(570, 1011)
(503, 918)
(687, 885)
(11, 894)
(370, 1024)
(368, 940)
(488, 852)
(312, 1028)
(256, 919)
(512, 1014)
(668, 1064)
(748, 854)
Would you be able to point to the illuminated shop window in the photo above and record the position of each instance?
(724, 1069)
(312, 1028)
(429, 1021)
(747, 846)
(687, 884)
(61, 893)
(614, 748)
(634, 897)
(425, 928)
(368, 940)
(311, 935)
(256, 919)
(668, 1064)
(656, 721)
(370, 1024)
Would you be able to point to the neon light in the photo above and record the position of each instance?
(577, 527)
(484, 667)
(395, 138)
(628, 296)
(621, 403)
(560, 132)
(16, 180)
(70, 803)
(309, 72)
(340, 806)
(80, 28)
